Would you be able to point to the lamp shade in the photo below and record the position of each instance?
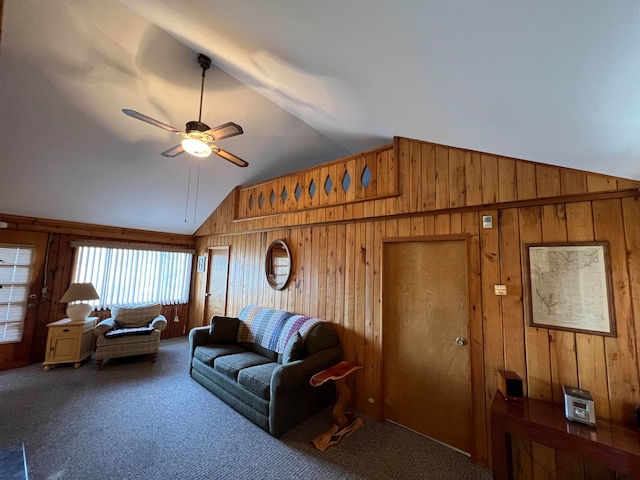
(76, 292)
(79, 291)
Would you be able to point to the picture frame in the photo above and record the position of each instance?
(568, 287)
(202, 262)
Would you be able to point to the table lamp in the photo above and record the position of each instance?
(78, 312)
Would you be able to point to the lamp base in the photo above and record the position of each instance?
(78, 312)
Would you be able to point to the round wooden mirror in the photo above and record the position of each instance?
(277, 264)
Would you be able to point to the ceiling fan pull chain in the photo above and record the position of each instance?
(195, 206)
(186, 205)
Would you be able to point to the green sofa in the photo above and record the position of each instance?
(260, 364)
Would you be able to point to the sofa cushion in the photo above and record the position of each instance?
(294, 349)
(230, 365)
(258, 379)
(208, 353)
(130, 316)
(223, 330)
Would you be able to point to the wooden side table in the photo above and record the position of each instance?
(610, 443)
(69, 341)
(344, 423)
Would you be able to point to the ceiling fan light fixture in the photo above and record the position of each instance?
(196, 147)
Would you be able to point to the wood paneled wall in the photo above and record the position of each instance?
(59, 265)
(337, 257)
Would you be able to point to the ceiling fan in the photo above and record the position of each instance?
(198, 137)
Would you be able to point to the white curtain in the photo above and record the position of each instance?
(123, 276)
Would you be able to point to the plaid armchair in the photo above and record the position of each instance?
(131, 330)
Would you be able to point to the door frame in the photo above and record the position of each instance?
(21, 354)
(210, 253)
(475, 334)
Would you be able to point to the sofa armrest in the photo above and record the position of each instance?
(295, 374)
(198, 336)
(104, 326)
(159, 323)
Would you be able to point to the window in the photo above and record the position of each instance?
(15, 274)
(127, 275)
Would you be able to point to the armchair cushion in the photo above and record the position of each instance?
(122, 332)
(104, 326)
(132, 316)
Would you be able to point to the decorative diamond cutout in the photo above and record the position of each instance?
(284, 194)
(298, 191)
(312, 189)
(251, 202)
(366, 177)
(261, 200)
(346, 182)
(272, 198)
(328, 185)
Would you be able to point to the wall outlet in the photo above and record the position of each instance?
(176, 319)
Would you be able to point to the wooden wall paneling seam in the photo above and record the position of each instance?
(473, 179)
(491, 313)
(480, 450)
(622, 355)
(537, 350)
(512, 305)
(536, 339)
(320, 272)
(442, 178)
(331, 280)
(599, 183)
(489, 168)
(457, 192)
(359, 315)
(562, 345)
(526, 178)
(572, 183)
(507, 180)
(414, 162)
(630, 216)
(370, 262)
(349, 338)
(442, 224)
(547, 181)
(377, 368)
(404, 174)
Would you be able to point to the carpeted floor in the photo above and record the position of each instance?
(138, 420)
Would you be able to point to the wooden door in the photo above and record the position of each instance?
(427, 381)
(18, 353)
(216, 295)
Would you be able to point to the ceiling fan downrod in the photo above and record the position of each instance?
(205, 63)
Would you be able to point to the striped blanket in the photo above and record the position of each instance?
(271, 328)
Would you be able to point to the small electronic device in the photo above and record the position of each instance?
(578, 405)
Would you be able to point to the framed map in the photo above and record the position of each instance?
(568, 287)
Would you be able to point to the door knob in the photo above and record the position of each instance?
(461, 341)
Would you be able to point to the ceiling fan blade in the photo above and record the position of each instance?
(152, 121)
(173, 151)
(230, 157)
(226, 130)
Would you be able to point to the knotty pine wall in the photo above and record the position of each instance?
(60, 264)
(337, 257)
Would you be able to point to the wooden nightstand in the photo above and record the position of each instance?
(69, 342)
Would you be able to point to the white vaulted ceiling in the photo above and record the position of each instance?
(309, 81)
